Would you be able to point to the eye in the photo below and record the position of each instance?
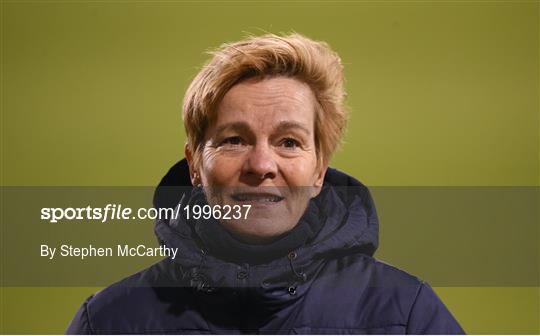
(234, 141)
(290, 143)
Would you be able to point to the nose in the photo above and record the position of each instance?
(260, 163)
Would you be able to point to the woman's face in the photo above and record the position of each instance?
(261, 152)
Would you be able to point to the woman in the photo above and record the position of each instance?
(262, 119)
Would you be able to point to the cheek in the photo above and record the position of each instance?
(218, 170)
(301, 172)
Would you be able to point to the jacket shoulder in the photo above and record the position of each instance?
(378, 298)
(95, 314)
(422, 311)
(139, 304)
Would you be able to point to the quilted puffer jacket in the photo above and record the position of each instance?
(331, 284)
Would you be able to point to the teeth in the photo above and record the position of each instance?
(257, 198)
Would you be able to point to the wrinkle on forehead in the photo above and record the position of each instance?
(269, 98)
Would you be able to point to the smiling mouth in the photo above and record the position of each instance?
(257, 198)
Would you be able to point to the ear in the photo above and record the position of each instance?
(193, 173)
(320, 175)
(319, 181)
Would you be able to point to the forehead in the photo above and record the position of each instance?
(263, 102)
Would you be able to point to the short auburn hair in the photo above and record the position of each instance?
(294, 55)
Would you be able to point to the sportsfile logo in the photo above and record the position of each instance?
(106, 213)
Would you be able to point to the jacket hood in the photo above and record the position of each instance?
(344, 205)
(347, 204)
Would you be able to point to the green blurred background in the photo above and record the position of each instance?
(441, 93)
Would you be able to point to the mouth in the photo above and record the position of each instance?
(257, 198)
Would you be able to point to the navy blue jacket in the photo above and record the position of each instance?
(331, 285)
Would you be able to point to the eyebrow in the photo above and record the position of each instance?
(286, 125)
(281, 127)
(237, 126)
